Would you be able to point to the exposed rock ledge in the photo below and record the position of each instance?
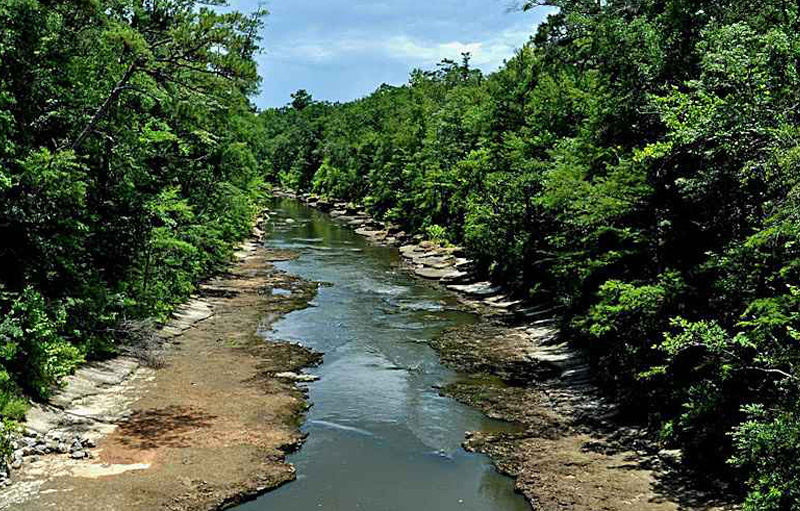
(209, 429)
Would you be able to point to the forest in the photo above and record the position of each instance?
(128, 171)
(635, 165)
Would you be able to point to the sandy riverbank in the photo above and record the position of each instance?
(210, 428)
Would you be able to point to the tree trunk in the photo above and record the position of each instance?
(103, 110)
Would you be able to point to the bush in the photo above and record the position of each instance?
(8, 429)
(32, 351)
(437, 234)
(626, 323)
(766, 446)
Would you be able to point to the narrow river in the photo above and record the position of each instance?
(380, 436)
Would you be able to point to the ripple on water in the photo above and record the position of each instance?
(381, 438)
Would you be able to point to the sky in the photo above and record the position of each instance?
(341, 50)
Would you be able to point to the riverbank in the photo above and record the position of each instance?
(572, 452)
(208, 427)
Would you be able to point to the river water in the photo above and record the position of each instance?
(380, 436)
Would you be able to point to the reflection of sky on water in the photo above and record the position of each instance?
(381, 438)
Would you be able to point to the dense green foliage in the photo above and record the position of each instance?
(128, 170)
(638, 164)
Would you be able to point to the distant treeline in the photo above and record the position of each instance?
(637, 164)
(128, 170)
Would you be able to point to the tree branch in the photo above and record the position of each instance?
(102, 111)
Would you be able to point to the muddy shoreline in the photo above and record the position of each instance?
(208, 430)
(572, 452)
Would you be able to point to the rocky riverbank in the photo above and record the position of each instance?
(207, 426)
(572, 451)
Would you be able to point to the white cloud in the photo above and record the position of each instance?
(487, 53)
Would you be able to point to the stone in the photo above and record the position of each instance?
(481, 289)
(78, 455)
(297, 377)
(407, 249)
(16, 465)
(671, 456)
(431, 273)
(455, 251)
(62, 448)
(90, 443)
(455, 277)
(434, 261)
(502, 302)
(463, 264)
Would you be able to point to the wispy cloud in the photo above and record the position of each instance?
(487, 53)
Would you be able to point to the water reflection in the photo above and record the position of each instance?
(381, 438)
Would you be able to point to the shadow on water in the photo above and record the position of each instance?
(380, 436)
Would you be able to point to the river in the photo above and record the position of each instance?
(381, 438)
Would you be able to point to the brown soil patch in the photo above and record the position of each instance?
(570, 454)
(213, 426)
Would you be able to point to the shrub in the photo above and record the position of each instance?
(437, 234)
(32, 351)
(766, 446)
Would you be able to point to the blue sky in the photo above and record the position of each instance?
(344, 49)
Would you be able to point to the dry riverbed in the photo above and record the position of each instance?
(208, 429)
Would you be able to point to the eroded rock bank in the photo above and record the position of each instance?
(572, 452)
(209, 427)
